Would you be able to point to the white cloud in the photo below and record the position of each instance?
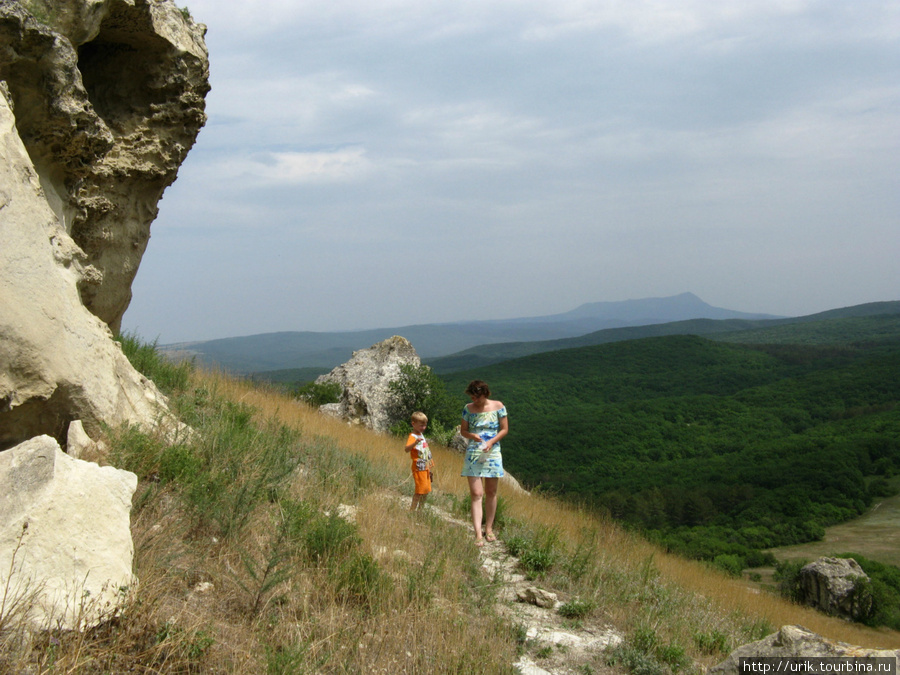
(297, 101)
(860, 127)
(476, 132)
(293, 167)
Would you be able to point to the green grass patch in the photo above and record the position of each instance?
(538, 550)
(170, 377)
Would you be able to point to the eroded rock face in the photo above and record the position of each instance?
(65, 535)
(109, 98)
(366, 398)
(830, 585)
(101, 101)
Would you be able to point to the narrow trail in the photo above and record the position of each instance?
(554, 645)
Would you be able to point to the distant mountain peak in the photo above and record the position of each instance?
(657, 310)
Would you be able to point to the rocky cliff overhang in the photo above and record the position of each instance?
(100, 102)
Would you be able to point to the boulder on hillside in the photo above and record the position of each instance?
(831, 585)
(364, 381)
(100, 101)
(65, 536)
(792, 642)
(537, 596)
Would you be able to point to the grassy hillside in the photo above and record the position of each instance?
(289, 376)
(715, 449)
(246, 564)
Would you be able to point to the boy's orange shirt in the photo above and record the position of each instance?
(420, 453)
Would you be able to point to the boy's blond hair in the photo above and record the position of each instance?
(418, 417)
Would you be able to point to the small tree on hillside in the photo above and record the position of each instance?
(316, 394)
(419, 388)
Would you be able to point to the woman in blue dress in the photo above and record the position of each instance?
(484, 423)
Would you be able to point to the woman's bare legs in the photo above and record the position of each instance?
(490, 506)
(484, 497)
(476, 490)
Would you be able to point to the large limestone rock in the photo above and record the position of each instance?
(796, 641)
(65, 535)
(58, 362)
(831, 585)
(366, 398)
(100, 102)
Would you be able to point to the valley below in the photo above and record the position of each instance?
(875, 535)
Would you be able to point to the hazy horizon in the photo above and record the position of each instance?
(537, 316)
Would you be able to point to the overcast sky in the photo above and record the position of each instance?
(377, 163)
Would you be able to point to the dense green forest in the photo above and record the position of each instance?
(717, 450)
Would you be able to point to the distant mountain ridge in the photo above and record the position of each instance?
(290, 350)
(798, 330)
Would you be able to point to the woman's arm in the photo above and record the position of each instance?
(464, 431)
(504, 429)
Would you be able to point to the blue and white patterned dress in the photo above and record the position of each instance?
(486, 425)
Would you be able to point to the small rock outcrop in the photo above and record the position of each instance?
(793, 642)
(100, 101)
(364, 379)
(65, 536)
(537, 596)
(831, 585)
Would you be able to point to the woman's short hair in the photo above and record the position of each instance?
(478, 388)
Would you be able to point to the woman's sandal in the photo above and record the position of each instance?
(490, 537)
(479, 542)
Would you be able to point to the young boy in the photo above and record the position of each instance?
(422, 463)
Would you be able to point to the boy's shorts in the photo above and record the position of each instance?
(423, 482)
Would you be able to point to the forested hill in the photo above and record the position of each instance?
(836, 326)
(720, 449)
